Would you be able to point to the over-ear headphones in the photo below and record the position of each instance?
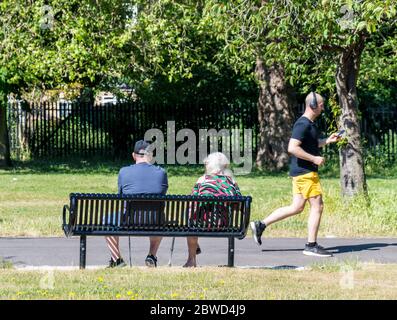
(313, 103)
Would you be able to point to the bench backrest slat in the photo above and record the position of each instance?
(110, 213)
(101, 212)
(106, 213)
(80, 217)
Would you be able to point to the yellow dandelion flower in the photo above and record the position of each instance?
(118, 296)
(100, 279)
(130, 293)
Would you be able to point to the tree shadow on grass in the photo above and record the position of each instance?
(67, 166)
(105, 165)
(91, 165)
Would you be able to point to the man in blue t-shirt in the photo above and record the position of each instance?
(304, 147)
(140, 178)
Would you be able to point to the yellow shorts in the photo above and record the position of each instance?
(307, 184)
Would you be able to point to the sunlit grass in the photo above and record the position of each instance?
(31, 200)
(340, 281)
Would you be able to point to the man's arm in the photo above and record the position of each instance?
(294, 148)
(331, 139)
(164, 185)
(119, 184)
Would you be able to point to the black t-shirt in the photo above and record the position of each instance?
(305, 131)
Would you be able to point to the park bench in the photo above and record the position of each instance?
(156, 215)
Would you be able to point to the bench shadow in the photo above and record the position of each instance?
(14, 263)
(280, 267)
(7, 258)
(6, 262)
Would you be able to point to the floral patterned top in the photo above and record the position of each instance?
(216, 185)
(210, 215)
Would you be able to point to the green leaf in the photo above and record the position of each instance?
(362, 25)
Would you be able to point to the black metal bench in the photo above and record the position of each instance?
(156, 215)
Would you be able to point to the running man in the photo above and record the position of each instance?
(304, 147)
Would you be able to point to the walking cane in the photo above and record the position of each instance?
(171, 251)
(129, 245)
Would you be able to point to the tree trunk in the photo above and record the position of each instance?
(352, 173)
(275, 117)
(5, 159)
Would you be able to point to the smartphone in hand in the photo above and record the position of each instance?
(341, 132)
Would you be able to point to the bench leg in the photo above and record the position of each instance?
(83, 251)
(230, 260)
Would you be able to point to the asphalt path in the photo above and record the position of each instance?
(274, 253)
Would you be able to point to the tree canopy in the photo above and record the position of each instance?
(176, 49)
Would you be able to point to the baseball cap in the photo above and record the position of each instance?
(141, 147)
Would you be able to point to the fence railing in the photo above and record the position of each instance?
(52, 129)
(47, 130)
(379, 131)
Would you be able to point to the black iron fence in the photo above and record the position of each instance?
(47, 130)
(73, 129)
(379, 132)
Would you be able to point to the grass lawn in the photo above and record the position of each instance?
(31, 199)
(32, 196)
(334, 281)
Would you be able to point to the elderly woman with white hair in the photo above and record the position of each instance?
(217, 181)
